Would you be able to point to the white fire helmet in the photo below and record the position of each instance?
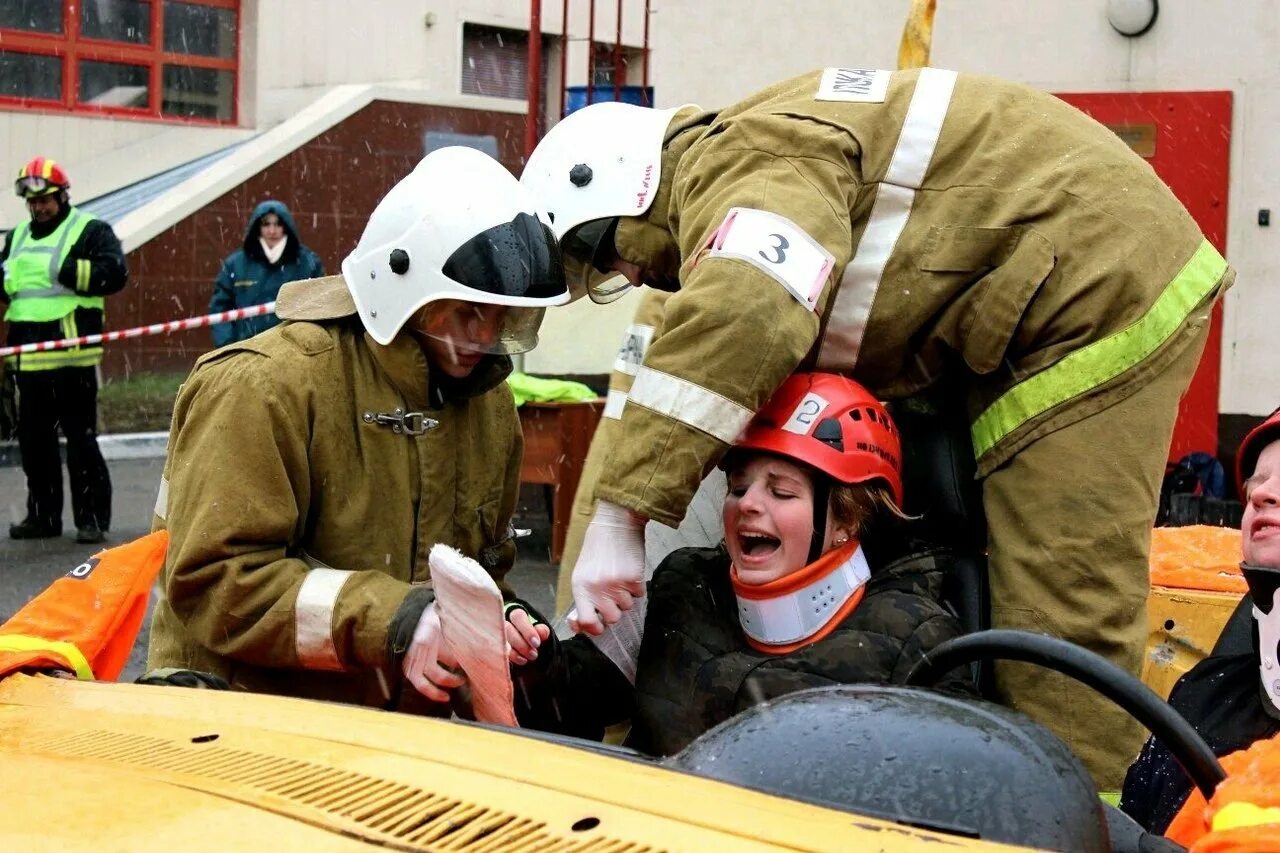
(600, 163)
(458, 227)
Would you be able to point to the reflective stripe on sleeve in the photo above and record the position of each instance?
(1104, 360)
(614, 403)
(162, 500)
(690, 404)
(83, 269)
(313, 616)
(889, 213)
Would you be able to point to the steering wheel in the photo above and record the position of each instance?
(1090, 669)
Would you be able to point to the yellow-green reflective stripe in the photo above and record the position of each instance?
(1104, 360)
(59, 358)
(82, 274)
(65, 650)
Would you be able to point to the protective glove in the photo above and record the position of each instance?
(426, 658)
(609, 574)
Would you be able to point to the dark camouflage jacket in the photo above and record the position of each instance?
(696, 670)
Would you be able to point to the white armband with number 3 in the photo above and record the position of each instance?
(778, 246)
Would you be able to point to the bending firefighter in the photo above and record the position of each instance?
(312, 467)
(904, 228)
(57, 267)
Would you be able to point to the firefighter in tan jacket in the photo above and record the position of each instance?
(311, 468)
(635, 341)
(906, 228)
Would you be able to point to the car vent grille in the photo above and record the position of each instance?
(378, 810)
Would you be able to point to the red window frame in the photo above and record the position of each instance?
(71, 47)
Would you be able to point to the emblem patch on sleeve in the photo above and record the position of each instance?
(778, 246)
(862, 85)
(635, 341)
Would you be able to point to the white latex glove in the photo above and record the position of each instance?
(609, 574)
(424, 662)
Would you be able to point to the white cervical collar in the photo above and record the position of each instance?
(791, 617)
(1269, 648)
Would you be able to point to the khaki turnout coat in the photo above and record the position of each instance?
(904, 228)
(302, 501)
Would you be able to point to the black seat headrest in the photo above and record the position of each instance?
(938, 472)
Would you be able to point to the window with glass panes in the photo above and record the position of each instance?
(168, 59)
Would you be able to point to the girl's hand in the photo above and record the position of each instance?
(523, 637)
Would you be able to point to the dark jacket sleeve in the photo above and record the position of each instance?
(315, 268)
(95, 266)
(572, 689)
(224, 299)
(4, 256)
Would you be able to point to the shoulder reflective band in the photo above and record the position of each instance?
(60, 648)
(1103, 360)
(313, 618)
(889, 212)
(690, 404)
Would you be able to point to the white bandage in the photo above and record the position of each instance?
(470, 608)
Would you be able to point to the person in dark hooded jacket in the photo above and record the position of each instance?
(272, 255)
(1232, 697)
(815, 585)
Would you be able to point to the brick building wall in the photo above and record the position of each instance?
(331, 185)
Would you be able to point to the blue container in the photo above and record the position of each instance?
(575, 97)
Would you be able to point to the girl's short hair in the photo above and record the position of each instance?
(859, 505)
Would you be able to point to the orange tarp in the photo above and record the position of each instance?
(87, 620)
(1197, 557)
(1242, 815)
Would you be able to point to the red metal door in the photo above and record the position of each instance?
(1186, 137)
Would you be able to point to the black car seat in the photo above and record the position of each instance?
(938, 470)
(1237, 634)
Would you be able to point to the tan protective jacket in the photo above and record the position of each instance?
(299, 524)
(904, 228)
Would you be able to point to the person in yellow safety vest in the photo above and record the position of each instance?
(86, 621)
(905, 228)
(57, 268)
(311, 468)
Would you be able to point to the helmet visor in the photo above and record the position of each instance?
(34, 186)
(466, 331)
(517, 259)
(588, 258)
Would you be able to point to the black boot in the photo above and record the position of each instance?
(90, 534)
(29, 528)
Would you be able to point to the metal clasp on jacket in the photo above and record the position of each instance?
(400, 421)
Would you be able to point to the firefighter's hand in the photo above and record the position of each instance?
(524, 635)
(609, 574)
(425, 661)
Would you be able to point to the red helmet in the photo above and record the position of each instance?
(1253, 445)
(41, 176)
(833, 424)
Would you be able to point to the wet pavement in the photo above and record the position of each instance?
(29, 566)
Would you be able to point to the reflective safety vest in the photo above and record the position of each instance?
(36, 295)
(87, 621)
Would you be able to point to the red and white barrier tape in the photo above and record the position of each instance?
(143, 331)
